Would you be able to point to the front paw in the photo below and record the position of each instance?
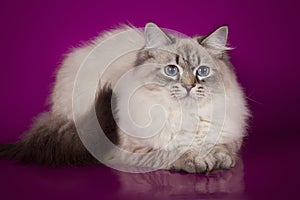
(192, 162)
(186, 163)
(224, 160)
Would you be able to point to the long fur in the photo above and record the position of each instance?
(53, 140)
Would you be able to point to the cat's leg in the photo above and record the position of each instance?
(219, 156)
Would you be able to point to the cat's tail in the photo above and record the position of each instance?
(51, 141)
(9, 151)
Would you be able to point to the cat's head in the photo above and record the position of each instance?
(186, 67)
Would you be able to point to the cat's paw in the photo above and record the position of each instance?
(186, 163)
(224, 160)
(191, 162)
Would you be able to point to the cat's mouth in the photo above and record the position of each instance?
(195, 92)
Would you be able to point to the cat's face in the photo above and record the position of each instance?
(182, 66)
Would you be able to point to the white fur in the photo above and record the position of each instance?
(61, 97)
(188, 120)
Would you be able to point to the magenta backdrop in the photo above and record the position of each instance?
(36, 34)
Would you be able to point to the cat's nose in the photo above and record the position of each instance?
(189, 86)
(188, 82)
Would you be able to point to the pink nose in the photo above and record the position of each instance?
(189, 86)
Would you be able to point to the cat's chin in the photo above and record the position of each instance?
(189, 98)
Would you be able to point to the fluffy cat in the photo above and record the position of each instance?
(192, 79)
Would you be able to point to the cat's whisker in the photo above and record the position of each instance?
(254, 100)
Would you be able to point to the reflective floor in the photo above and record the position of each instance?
(265, 172)
(98, 182)
(167, 185)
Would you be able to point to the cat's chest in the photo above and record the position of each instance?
(183, 126)
(189, 118)
(183, 120)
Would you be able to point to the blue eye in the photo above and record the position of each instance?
(171, 70)
(203, 71)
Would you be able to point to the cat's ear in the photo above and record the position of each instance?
(155, 37)
(216, 41)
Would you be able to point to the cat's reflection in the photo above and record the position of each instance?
(164, 184)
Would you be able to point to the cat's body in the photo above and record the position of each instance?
(205, 114)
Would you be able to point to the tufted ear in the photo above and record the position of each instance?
(216, 41)
(155, 37)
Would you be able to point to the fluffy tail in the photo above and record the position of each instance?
(9, 151)
(54, 141)
(51, 141)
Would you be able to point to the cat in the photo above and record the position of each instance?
(204, 117)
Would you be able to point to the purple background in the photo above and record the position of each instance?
(36, 34)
